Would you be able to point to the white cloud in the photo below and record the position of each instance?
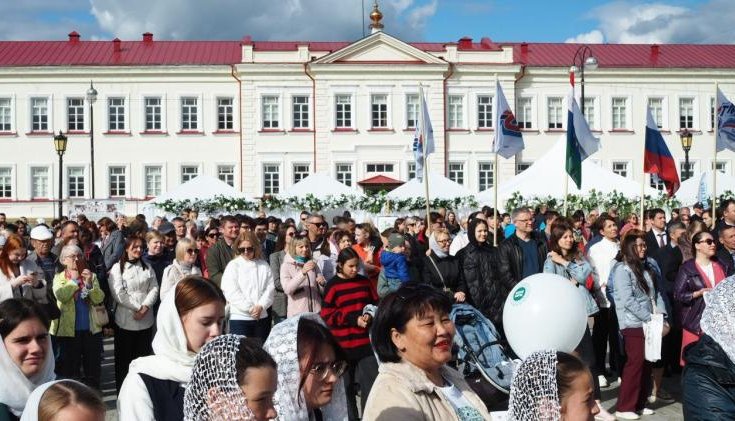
(657, 22)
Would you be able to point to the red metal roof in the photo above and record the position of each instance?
(380, 180)
(629, 55)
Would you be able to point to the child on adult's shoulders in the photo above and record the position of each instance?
(395, 266)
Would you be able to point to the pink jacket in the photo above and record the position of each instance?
(303, 291)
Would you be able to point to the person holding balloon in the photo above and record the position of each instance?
(565, 260)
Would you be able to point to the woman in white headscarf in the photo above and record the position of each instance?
(190, 316)
(708, 381)
(552, 386)
(234, 379)
(64, 400)
(26, 360)
(310, 366)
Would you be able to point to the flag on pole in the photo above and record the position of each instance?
(580, 141)
(658, 159)
(703, 190)
(423, 138)
(508, 138)
(725, 123)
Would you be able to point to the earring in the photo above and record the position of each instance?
(403, 349)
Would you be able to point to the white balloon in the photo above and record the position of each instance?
(544, 311)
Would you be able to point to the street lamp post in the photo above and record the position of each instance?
(60, 146)
(583, 58)
(91, 98)
(686, 143)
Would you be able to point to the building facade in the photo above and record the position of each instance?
(263, 115)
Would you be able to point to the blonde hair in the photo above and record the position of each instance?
(181, 246)
(151, 235)
(254, 242)
(66, 393)
(297, 241)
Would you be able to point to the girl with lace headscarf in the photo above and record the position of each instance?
(65, 400)
(552, 386)
(234, 379)
(189, 317)
(26, 359)
(310, 366)
(708, 381)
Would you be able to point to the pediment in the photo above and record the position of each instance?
(379, 48)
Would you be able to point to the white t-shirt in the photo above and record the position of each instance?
(465, 411)
(709, 270)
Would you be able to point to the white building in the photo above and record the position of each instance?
(262, 115)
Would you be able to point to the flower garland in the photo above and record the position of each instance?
(595, 200)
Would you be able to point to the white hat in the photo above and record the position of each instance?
(41, 233)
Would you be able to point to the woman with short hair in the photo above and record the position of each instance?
(280, 303)
(156, 254)
(182, 266)
(112, 241)
(301, 278)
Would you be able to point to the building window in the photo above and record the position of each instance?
(589, 112)
(271, 178)
(456, 111)
(379, 167)
(684, 172)
(225, 114)
(6, 182)
(656, 183)
(270, 112)
(525, 113)
(153, 114)
(619, 110)
(412, 111)
(344, 174)
(75, 180)
(300, 172)
(5, 115)
(722, 166)
(39, 183)
(686, 113)
(486, 175)
(712, 116)
(301, 112)
(620, 168)
(554, 112)
(343, 111)
(522, 166)
(189, 113)
(411, 170)
(226, 173)
(189, 172)
(484, 111)
(39, 114)
(75, 114)
(153, 181)
(456, 172)
(118, 183)
(116, 114)
(379, 111)
(656, 105)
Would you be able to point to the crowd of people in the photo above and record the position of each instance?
(238, 317)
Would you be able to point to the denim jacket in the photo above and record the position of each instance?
(577, 271)
(633, 306)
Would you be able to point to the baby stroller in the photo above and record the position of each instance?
(481, 356)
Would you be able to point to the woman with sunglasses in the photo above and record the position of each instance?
(284, 238)
(247, 283)
(310, 364)
(182, 266)
(696, 277)
(441, 269)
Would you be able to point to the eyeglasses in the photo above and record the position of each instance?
(709, 241)
(446, 241)
(243, 250)
(321, 370)
(319, 224)
(192, 251)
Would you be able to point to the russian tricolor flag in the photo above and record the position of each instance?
(657, 159)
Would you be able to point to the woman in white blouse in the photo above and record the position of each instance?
(248, 285)
(135, 290)
(183, 265)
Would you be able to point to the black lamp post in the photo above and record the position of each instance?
(91, 98)
(686, 143)
(583, 58)
(60, 146)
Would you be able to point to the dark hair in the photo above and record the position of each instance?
(228, 218)
(697, 238)
(250, 353)
(550, 214)
(655, 211)
(568, 367)
(260, 221)
(14, 311)
(725, 203)
(106, 222)
(600, 222)
(628, 254)
(344, 256)
(124, 256)
(66, 393)
(397, 309)
(558, 229)
(398, 222)
(281, 239)
(194, 291)
(310, 336)
(338, 220)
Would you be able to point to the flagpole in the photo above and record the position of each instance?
(496, 173)
(422, 133)
(714, 165)
(643, 172)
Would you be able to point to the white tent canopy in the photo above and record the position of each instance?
(202, 187)
(545, 177)
(320, 185)
(440, 187)
(689, 189)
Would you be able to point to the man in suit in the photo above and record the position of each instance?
(656, 238)
(261, 231)
(727, 207)
(726, 248)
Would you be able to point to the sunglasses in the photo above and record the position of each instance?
(709, 241)
(319, 224)
(213, 235)
(243, 250)
(192, 251)
(291, 234)
(321, 370)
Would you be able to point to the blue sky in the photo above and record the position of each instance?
(691, 21)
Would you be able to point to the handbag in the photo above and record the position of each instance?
(653, 332)
(99, 315)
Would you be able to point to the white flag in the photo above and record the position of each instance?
(703, 190)
(423, 139)
(725, 115)
(508, 137)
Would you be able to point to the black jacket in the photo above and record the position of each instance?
(708, 382)
(511, 258)
(669, 260)
(449, 269)
(652, 242)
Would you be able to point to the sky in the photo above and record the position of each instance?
(587, 21)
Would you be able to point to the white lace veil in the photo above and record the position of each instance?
(15, 387)
(289, 399)
(534, 394)
(718, 318)
(213, 394)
